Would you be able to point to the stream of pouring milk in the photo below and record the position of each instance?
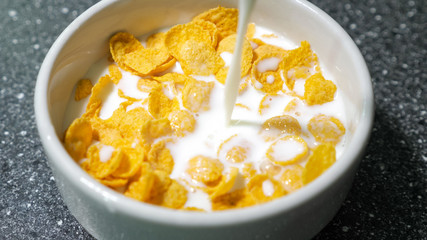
(233, 76)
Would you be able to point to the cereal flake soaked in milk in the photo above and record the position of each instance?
(268, 64)
(287, 150)
(267, 188)
(105, 152)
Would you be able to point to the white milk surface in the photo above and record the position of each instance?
(210, 131)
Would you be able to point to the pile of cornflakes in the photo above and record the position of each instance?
(140, 164)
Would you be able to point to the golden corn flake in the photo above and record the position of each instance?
(250, 32)
(256, 42)
(276, 126)
(129, 122)
(95, 100)
(326, 129)
(223, 144)
(130, 162)
(287, 150)
(106, 134)
(264, 103)
(318, 90)
(272, 35)
(130, 100)
(291, 106)
(121, 44)
(175, 197)
(194, 209)
(300, 72)
(141, 189)
(157, 41)
(78, 137)
(221, 75)
(269, 80)
(243, 86)
(155, 128)
(236, 199)
(146, 61)
(292, 178)
(263, 189)
(227, 45)
(114, 182)
(159, 105)
(321, 159)
(236, 154)
(115, 73)
(191, 45)
(248, 170)
(162, 182)
(173, 77)
(83, 89)
(196, 95)
(179, 34)
(266, 50)
(205, 170)
(270, 168)
(157, 188)
(148, 85)
(211, 28)
(242, 106)
(164, 66)
(160, 157)
(182, 122)
(225, 20)
(226, 184)
(300, 57)
(199, 58)
(101, 168)
(233, 152)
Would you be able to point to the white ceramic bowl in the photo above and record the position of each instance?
(109, 215)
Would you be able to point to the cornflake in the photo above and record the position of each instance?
(227, 45)
(115, 73)
(195, 95)
(182, 122)
(300, 58)
(83, 89)
(192, 46)
(318, 90)
(205, 170)
(265, 72)
(292, 178)
(78, 138)
(277, 126)
(225, 20)
(326, 129)
(287, 150)
(321, 159)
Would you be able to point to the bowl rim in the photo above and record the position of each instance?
(61, 161)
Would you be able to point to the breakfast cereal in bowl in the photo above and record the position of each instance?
(151, 127)
(129, 105)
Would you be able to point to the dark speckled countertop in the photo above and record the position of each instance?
(388, 199)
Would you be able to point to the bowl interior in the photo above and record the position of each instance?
(86, 41)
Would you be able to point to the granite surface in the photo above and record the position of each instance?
(388, 199)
